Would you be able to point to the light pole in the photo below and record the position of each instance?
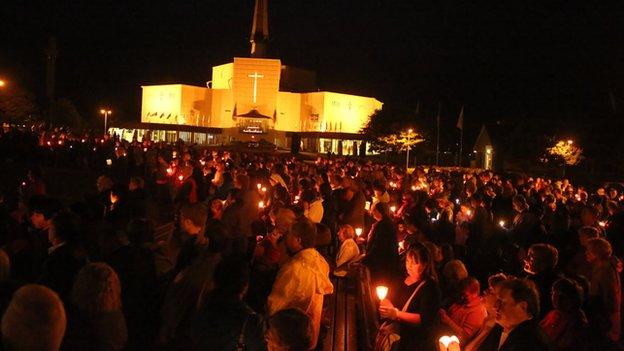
(409, 135)
(105, 112)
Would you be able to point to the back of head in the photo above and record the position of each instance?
(544, 257)
(34, 320)
(284, 219)
(97, 289)
(601, 248)
(290, 329)
(45, 205)
(470, 285)
(305, 230)
(455, 270)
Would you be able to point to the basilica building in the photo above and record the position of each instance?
(254, 98)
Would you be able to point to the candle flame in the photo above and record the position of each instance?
(382, 292)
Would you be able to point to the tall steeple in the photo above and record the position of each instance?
(260, 30)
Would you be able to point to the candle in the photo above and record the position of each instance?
(457, 201)
(602, 224)
(263, 189)
(358, 232)
(109, 162)
(180, 177)
(261, 204)
(413, 187)
(259, 186)
(449, 343)
(501, 223)
(296, 199)
(169, 171)
(401, 245)
(382, 292)
(469, 212)
(367, 205)
(393, 208)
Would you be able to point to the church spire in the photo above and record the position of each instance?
(260, 30)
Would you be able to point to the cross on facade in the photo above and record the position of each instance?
(255, 77)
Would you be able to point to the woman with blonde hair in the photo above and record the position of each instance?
(96, 320)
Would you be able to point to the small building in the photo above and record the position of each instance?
(484, 150)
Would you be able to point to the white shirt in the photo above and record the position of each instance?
(349, 251)
(315, 211)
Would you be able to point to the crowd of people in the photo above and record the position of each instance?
(177, 247)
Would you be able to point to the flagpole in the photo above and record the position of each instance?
(438, 136)
(460, 125)
(461, 145)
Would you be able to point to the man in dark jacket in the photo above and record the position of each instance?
(66, 256)
(517, 310)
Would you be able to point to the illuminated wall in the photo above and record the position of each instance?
(194, 109)
(335, 112)
(312, 111)
(222, 76)
(175, 104)
(288, 117)
(161, 103)
(347, 113)
(221, 108)
(266, 85)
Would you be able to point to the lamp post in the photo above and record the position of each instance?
(409, 136)
(105, 112)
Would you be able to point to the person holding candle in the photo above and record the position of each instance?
(488, 335)
(419, 295)
(465, 317)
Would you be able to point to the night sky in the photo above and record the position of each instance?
(501, 59)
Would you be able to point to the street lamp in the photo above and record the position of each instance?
(409, 135)
(105, 112)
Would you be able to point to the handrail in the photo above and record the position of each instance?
(367, 309)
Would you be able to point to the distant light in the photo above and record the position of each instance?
(570, 141)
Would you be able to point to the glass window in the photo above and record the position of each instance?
(199, 138)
